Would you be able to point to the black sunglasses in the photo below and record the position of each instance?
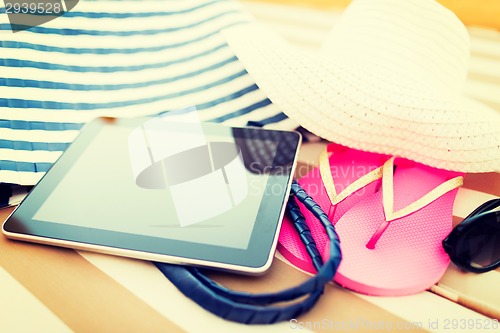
(474, 244)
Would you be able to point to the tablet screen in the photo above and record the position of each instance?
(204, 200)
(160, 189)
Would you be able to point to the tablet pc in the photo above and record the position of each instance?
(163, 190)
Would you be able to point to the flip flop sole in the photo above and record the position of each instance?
(408, 257)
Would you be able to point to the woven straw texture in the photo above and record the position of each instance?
(388, 79)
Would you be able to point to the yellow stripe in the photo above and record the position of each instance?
(473, 285)
(17, 305)
(82, 296)
(337, 307)
(470, 12)
(483, 182)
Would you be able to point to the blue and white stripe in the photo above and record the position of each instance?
(122, 59)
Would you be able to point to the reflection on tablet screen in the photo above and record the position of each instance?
(165, 180)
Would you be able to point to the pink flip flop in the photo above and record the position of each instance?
(352, 174)
(391, 240)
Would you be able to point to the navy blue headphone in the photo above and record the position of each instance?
(251, 308)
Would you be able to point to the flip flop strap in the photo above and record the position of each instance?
(388, 193)
(327, 178)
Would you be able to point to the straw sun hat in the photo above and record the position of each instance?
(388, 80)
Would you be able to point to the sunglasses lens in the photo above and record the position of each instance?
(483, 243)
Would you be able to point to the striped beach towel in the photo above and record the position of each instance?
(122, 59)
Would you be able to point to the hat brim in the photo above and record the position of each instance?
(370, 109)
